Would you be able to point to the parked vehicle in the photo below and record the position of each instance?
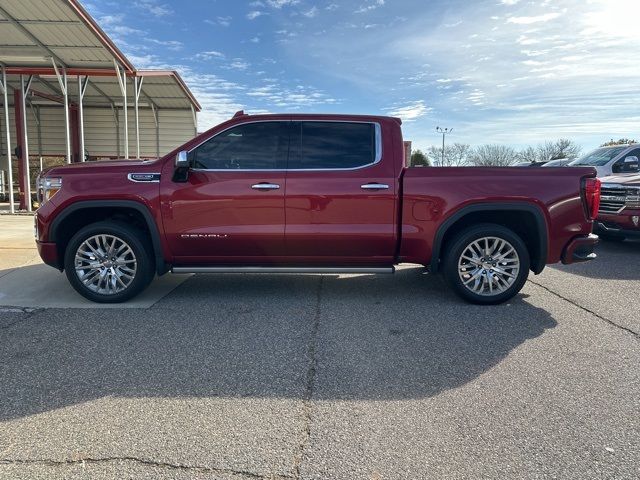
(611, 160)
(309, 193)
(558, 162)
(619, 214)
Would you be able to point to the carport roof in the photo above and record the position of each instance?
(36, 33)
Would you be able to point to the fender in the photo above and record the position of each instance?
(161, 266)
(541, 224)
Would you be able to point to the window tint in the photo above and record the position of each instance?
(253, 146)
(334, 145)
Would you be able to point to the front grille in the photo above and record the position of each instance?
(612, 199)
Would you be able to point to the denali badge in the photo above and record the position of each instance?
(144, 177)
(204, 235)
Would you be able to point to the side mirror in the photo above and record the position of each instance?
(631, 164)
(181, 172)
(181, 159)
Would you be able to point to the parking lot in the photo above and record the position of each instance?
(318, 377)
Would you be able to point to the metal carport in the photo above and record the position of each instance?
(68, 91)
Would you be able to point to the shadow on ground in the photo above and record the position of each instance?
(365, 337)
(616, 261)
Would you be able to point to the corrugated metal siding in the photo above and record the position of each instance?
(176, 128)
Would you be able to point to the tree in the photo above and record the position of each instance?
(493, 156)
(455, 155)
(622, 141)
(419, 159)
(561, 148)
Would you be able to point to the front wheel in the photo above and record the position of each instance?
(109, 262)
(486, 264)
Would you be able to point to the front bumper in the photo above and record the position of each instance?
(620, 225)
(49, 254)
(580, 249)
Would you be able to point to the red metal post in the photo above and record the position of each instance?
(22, 169)
(76, 155)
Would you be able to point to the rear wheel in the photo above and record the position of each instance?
(109, 262)
(486, 264)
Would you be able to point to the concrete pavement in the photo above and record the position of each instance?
(345, 377)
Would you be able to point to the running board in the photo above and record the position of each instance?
(230, 269)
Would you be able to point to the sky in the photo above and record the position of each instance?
(514, 72)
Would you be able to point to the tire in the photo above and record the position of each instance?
(495, 280)
(121, 280)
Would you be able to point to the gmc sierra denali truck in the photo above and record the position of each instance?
(619, 215)
(309, 194)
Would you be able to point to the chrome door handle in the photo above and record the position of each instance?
(265, 186)
(374, 186)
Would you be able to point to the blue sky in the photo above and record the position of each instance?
(515, 72)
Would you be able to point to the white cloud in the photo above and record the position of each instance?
(282, 3)
(153, 7)
(409, 111)
(534, 19)
(367, 7)
(208, 55)
(509, 2)
(311, 13)
(252, 15)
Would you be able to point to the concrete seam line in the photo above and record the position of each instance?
(310, 383)
(146, 462)
(597, 315)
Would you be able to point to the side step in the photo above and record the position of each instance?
(298, 270)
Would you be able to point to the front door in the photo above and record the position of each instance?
(231, 209)
(341, 195)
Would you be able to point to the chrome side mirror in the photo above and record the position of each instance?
(181, 172)
(182, 160)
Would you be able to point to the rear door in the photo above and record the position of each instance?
(231, 209)
(340, 200)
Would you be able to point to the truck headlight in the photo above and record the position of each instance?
(48, 187)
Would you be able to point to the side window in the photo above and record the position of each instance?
(252, 146)
(334, 145)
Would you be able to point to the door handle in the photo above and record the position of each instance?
(265, 186)
(374, 186)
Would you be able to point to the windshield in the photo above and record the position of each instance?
(599, 157)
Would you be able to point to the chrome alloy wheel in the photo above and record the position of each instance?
(105, 264)
(488, 266)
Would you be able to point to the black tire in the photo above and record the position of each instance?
(459, 243)
(139, 244)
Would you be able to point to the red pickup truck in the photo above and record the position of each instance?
(309, 194)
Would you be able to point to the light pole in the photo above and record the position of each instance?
(443, 131)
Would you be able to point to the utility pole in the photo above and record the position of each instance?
(443, 131)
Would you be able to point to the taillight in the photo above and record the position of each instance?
(592, 196)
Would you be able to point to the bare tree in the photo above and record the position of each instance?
(529, 154)
(455, 155)
(622, 141)
(493, 156)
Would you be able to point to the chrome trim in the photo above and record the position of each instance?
(374, 186)
(294, 270)
(265, 186)
(156, 178)
(377, 159)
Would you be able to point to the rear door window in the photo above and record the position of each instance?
(333, 146)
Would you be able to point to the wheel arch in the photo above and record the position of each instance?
(80, 214)
(505, 214)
